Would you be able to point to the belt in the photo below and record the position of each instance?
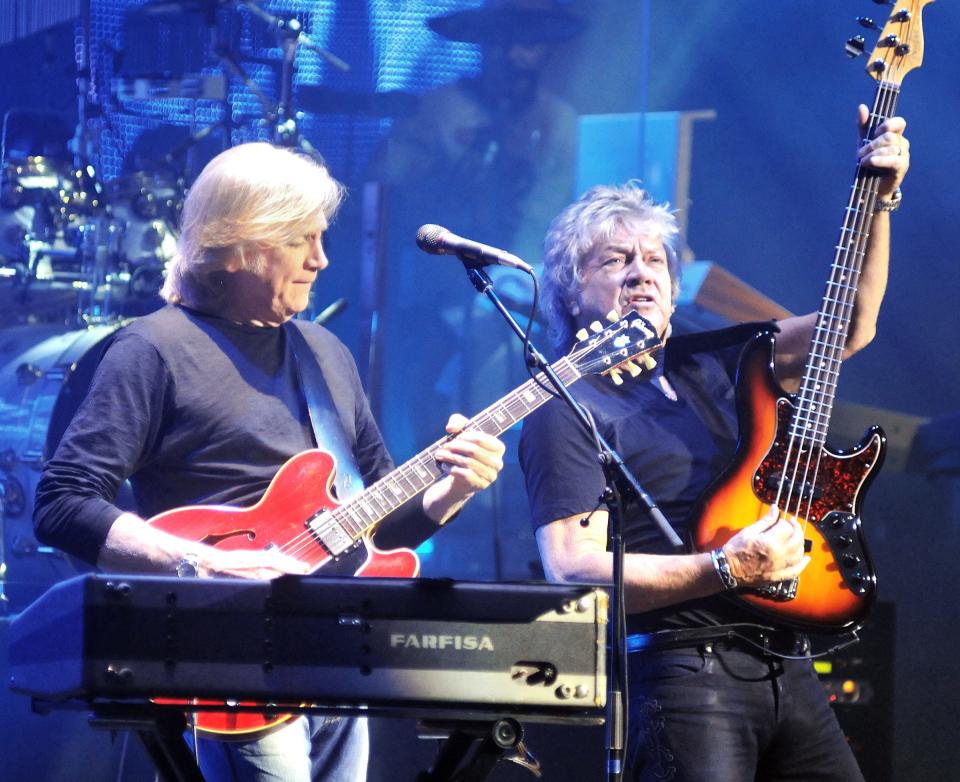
(751, 637)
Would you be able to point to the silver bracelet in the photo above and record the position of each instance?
(722, 567)
(891, 205)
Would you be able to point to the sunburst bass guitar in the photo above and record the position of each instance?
(298, 516)
(782, 458)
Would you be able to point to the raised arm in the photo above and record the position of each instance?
(889, 153)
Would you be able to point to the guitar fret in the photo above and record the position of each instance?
(842, 285)
(822, 343)
(854, 232)
(821, 358)
(841, 302)
(849, 251)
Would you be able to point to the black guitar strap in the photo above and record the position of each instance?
(328, 430)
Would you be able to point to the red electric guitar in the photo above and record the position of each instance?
(297, 515)
(782, 458)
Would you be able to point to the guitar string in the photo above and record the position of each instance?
(838, 306)
(417, 474)
(868, 187)
(835, 315)
(515, 408)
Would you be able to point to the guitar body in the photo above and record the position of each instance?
(299, 490)
(837, 589)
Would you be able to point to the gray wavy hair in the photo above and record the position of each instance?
(247, 199)
(591, 220)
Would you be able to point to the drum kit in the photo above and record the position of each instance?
(73, 247)
(79, 255)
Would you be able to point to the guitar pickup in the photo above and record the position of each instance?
(808, 490)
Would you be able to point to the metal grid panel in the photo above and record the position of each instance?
(386, 42)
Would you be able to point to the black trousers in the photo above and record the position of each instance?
(723, 713)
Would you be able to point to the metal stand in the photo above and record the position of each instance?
(620, 483)
(160, 730)
(489, 740)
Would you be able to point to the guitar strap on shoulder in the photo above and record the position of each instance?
(328, 430)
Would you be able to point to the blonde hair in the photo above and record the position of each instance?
(247, 199)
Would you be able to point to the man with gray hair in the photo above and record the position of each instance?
(710, 699)
(201, 402)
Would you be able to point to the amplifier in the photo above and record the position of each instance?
(341, 641)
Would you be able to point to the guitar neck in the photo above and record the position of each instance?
(819, 383)
(377, 502)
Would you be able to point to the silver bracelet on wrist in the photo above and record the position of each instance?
(889, 205)
(722, 568)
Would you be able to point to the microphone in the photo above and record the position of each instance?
(437, 240)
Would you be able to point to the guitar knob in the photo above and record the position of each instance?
(836, 522)
(850, 560)
(844, 541)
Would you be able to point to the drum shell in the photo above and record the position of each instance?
(148, 205)
(45, 374)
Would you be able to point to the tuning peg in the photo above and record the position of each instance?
(616, 377)
(855, 46)
(581, 335)
(866, 21)
(649, 362)
(632, 368)
(612, 316)
(596, 326)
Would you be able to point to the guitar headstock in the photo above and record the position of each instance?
(899, 48)
(615, 348)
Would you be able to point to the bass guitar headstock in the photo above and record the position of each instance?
(611, 350)
(899, 47)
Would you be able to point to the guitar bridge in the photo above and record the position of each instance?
(780, 592)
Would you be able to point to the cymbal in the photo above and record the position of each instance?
(508, 24)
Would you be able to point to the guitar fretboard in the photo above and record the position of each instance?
(818, 386)
(343, 525)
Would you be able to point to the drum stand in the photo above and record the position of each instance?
(286, 131)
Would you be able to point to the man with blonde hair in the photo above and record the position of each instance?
(201, 403)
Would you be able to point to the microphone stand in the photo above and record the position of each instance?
(620, 484)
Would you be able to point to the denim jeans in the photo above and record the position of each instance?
(308, 749)
(719, 712)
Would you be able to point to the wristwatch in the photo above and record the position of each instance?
(889, 205)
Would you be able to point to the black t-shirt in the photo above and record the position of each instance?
(674, 448)
(193, 409)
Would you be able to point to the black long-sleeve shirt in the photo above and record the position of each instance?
(194, 409)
